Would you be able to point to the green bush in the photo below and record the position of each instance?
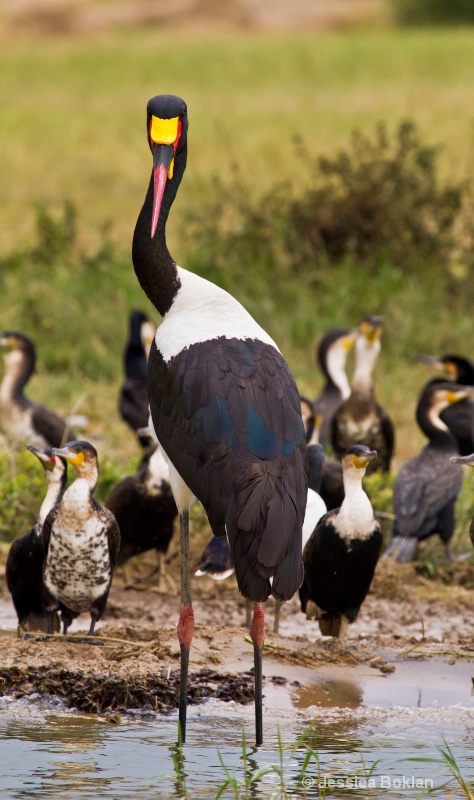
(433, 12)
(73, 303)
(378, 201)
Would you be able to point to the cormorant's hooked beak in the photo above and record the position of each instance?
(69, 454)
(164, 135)
(371, 328)
(45, 456)
(444, 366)
(361, 460)
(431, 360)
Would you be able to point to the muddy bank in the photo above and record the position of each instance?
(134, 662)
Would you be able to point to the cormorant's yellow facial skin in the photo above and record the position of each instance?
(455, 397)
(371, 333)
(361, 461)
(165, 131)
(75, 458)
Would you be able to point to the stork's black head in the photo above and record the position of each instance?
(167, 125)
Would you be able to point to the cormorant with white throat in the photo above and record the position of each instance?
(331, 355)
(24, 567)
(22, 420)
(145, 510)
(459, 417)
(81, 542)
(133, 399)
(361, 419)
(341, 554)
(426, 487)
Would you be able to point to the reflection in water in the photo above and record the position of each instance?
(329, 693)
(71, 757)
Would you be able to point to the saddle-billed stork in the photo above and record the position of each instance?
(224, 407)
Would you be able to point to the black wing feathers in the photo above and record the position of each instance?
(229, 413)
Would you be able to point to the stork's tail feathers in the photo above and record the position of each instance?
(402, 548)
(264, 523)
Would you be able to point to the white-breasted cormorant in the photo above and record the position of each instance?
(458, 417)
(145, 509)
(24, 567)
(341, 554)
(426, 487)
(22, 420)
(81, 542)
(224, 406)
(360, 419)
(331, 356)
(133, 399)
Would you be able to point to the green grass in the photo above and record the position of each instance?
(72, 110)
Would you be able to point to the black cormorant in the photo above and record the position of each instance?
(224, 406)
(332, 355)
(81, 542)
(426, 487)
(342, 553)
(332, 484)
(360, 419)
(24, 567)
(459, 417)
(133, 400)
(21, 420)
(145, 509)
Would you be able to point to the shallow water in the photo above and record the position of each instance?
(365, 728)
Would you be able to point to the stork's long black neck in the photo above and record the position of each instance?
(154, 266)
